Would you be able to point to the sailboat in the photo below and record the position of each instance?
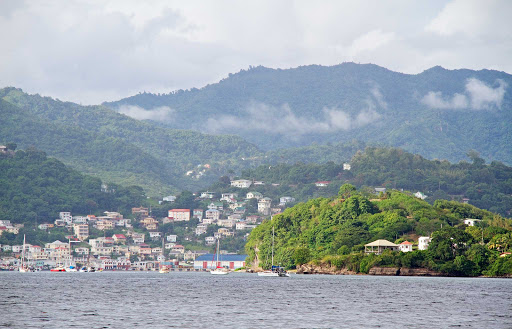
(219, 270)
(275, 271)
(23, 267)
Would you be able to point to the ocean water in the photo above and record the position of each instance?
(242, 300)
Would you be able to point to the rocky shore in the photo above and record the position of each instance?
(388, 271)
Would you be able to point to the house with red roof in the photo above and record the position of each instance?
(405, 246)
(119, 238)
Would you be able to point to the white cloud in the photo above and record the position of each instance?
(477, 96)
(482, 96)
(94, 51)
(162, 113)
(282, 120)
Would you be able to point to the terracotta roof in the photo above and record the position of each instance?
(406, 242)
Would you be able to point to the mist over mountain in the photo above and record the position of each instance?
(438, 113)
(115, 147)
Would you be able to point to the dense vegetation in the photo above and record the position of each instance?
(35, 188)
(334, 231)
(277, 108)
(487, 186)
(114, 147)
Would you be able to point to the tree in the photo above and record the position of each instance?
(346, 190)
(301, 255)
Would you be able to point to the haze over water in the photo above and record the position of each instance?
(239, 300)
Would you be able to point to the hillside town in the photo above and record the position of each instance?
(140, 241)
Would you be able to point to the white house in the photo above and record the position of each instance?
(155, 235)
(405, 246)
(322, 183)
(423, 242)
(209, 240)
(420, 195)
(471, 221)
(212, 214)
(229, 196)
(207, 195)
(169, 198)
(346, 166)
(264, 206)
(241, 183)
(254, 195)
(285, 199)
(172, 238)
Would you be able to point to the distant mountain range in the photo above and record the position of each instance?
(115, 147)
(438, 113)
(267, 116)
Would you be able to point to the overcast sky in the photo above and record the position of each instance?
(94, 51)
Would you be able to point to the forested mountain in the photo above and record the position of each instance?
(333, 232)
(438, 113)
(35, 188)
(487, 186)
(115, 147)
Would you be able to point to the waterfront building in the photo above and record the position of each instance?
(405, 246)
(423, 242)
(378, 246)
(208, 261)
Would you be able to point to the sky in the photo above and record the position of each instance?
(94, 51)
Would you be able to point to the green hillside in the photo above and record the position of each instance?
(276, 108)
(103, 143)
(35, 188)
(487, 186)
(333, 232)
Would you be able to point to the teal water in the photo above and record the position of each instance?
(240, 300)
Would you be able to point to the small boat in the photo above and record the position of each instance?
(71, 268)
(275, 271)
(219, 270)
(164, 269)
(59, 268)
(91, 269)
(83, 269)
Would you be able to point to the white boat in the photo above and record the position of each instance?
(275, 271)
(164, 269)
(71, 268)
(219, 270)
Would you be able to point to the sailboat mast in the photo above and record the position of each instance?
(272, 246)
(23, 253)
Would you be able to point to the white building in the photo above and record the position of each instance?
(405, 246)
(171, 238)
(207, 195)
(346, 166)
(212, 214)
(471, 221)
(285, 199)
(241, 183)
(254, 195)
(169, 198)
(66, 217)
(264, 206)
(423, 242)
(209, 240)
(420, 195)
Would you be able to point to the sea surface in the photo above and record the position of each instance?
(242, 300)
